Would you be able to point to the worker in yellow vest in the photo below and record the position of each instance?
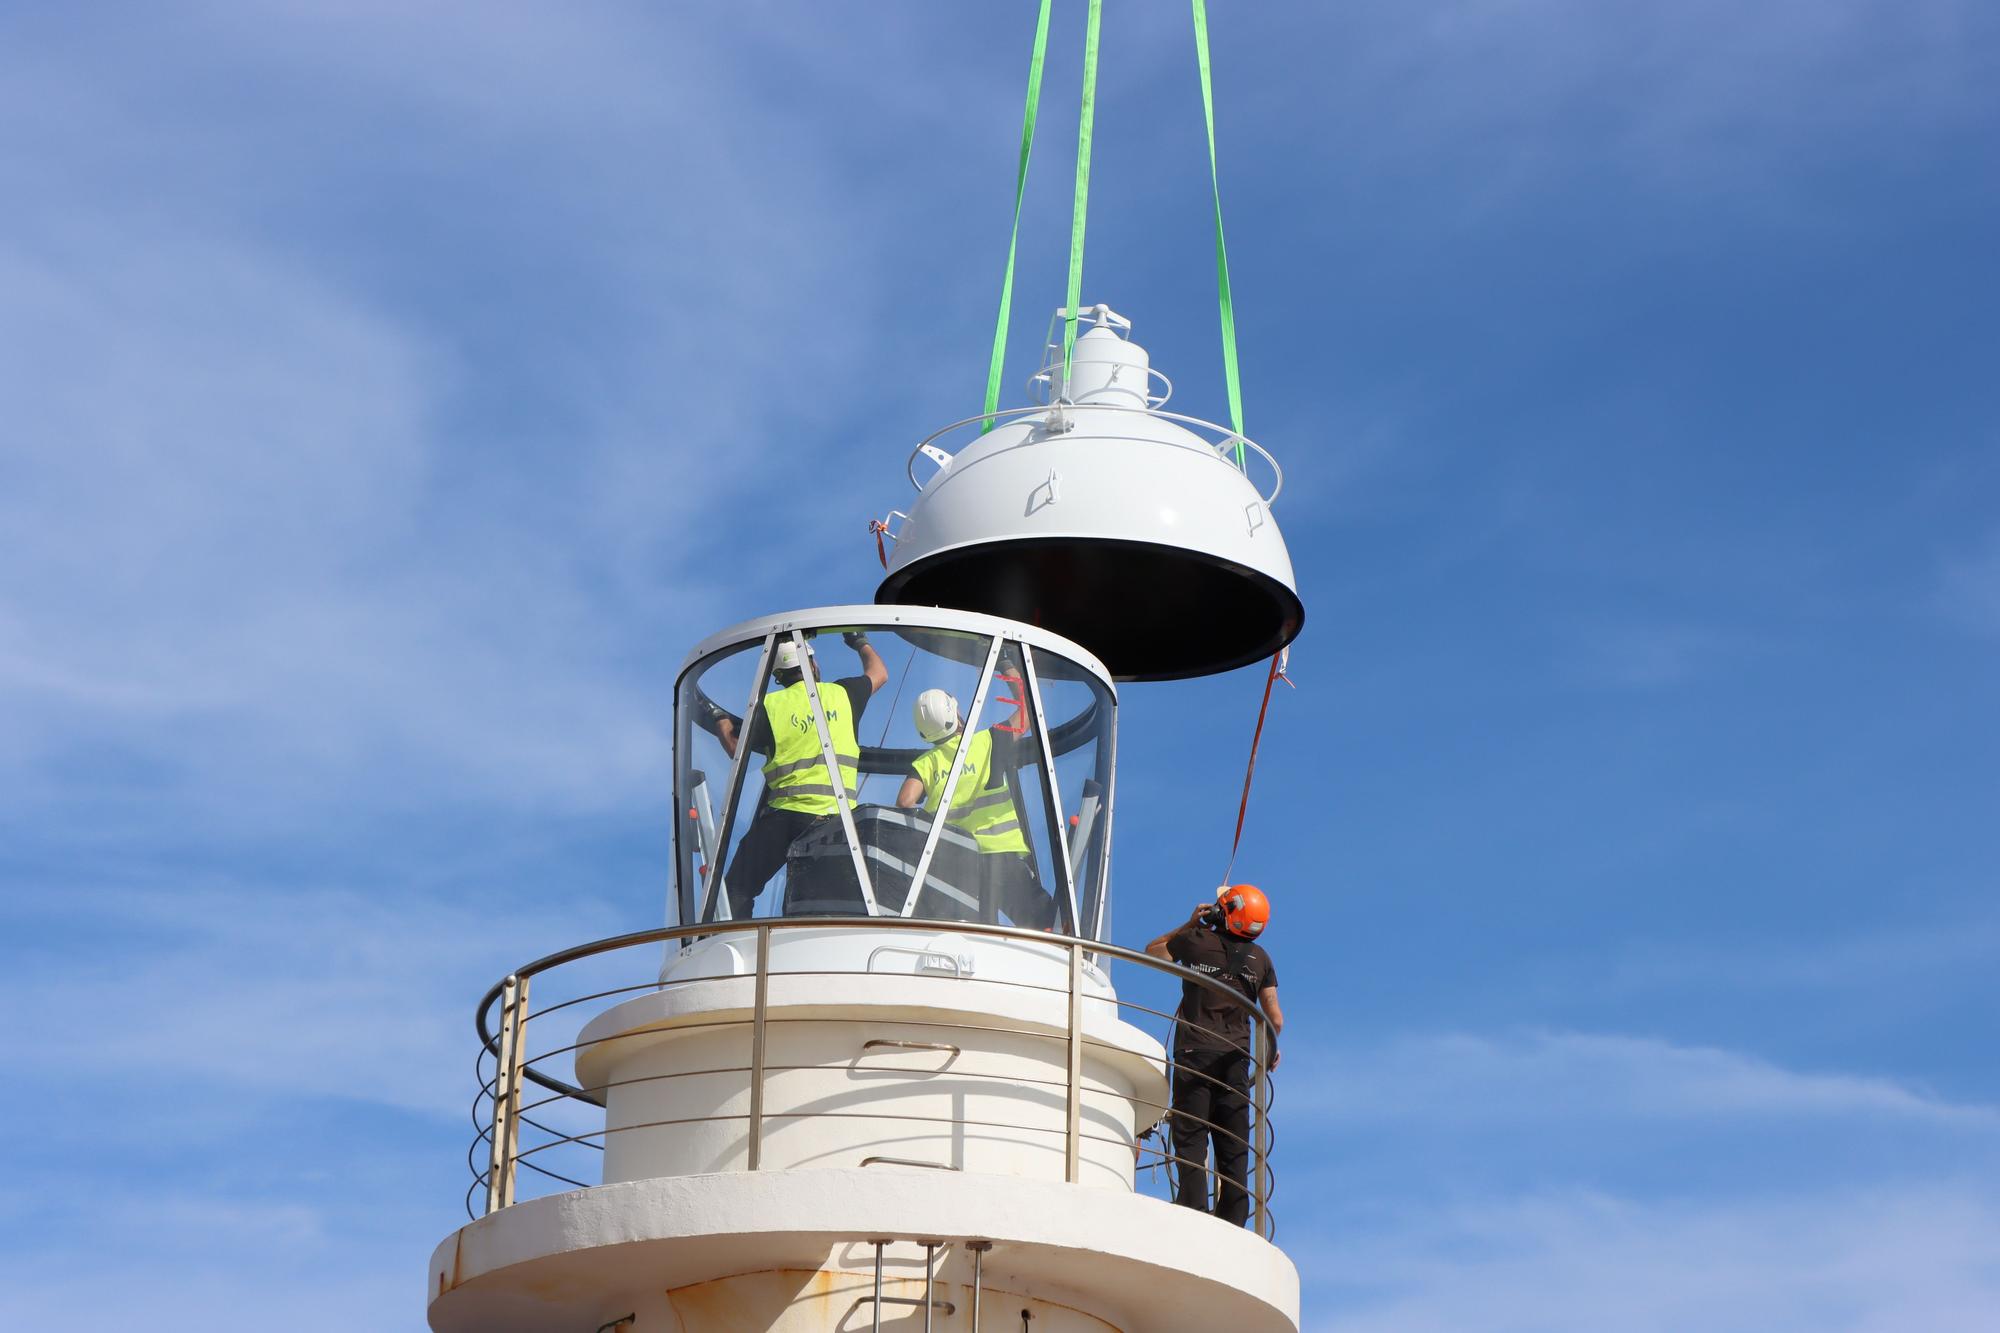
(798, 790)
(982, 805)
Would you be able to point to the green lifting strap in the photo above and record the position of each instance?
(998, 364)
(1229, 374)
(1083, 128)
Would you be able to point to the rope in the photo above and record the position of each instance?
(1086, 119)
(1256, 737)
(901, 681)
(1224, 299)
(999, 361)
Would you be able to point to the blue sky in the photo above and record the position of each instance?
(392, 397)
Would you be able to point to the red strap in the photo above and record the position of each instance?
(1256, 737)
(1019, 728)
(878, 527)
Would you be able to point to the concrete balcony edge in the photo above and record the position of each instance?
(1134, 1261)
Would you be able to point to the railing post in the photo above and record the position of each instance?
(878, 1283)
(930, 1275)
(757, 1048)
(979, 1249)
(1261, 1158)
(1073, 1122)
(507, 1093)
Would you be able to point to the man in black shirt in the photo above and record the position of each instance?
(1212, 1050)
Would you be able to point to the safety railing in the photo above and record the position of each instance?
(535, 1127)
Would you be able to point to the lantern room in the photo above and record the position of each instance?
(894, 761)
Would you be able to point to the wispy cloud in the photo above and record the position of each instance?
(1577, 1077)
(1968, 591)
(275, 992)
(259, 552)
(1683, 101)
(1917, 954)
(1863, 1261)
(1643, 655)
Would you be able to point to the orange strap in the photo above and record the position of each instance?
(1256, 737)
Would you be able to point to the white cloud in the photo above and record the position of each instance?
(1910, 959)
(277, 993)
(1573, 1078)
(281, 533)
(167, 1259)
(1643, 655)
(1890, 1260)
(1700, 99)
(1968, 591)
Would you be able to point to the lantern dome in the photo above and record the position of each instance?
(1100, 517)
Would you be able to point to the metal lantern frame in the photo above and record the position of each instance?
(1083, 880)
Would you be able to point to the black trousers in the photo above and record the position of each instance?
(1212, 1103)
(761, 855)
(1017, 890)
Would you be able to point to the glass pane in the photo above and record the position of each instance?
(900, 706)
(710, 703)
(991, 862)
(937, 678)
(1080, 712)
(788, 848)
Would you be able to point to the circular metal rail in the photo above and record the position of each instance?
(497, 1091)
(1229, 439)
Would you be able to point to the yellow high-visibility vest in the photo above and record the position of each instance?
(795, 776)
(983, 805)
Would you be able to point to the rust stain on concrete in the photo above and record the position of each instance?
(448, 1279)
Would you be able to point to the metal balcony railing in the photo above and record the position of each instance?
(531, 1122)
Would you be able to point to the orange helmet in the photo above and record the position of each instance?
(1245, 909)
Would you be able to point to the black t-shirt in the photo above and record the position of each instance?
(1210, 1022)
(858, 688)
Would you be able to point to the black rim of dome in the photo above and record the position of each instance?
(1291, 617)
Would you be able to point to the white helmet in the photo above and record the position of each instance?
(788, 655)
(937, 715)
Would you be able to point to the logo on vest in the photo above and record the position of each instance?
(805, 724)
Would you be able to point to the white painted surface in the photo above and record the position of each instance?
(1104, 368)
(876, 616)
(939, 951)
(793, 1300)
(1097, 471)
(578, 1260)
(671, 1067)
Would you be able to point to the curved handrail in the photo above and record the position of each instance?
(927, 447)
(660, 935)
(1043, 379)
(507, 1046)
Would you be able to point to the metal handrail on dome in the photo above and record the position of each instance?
(1222, 446)
(1040, 384)
(498, 1131)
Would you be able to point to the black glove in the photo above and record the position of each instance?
(716, 716)
(855, 639)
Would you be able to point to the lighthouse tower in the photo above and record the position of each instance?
(884, 1068)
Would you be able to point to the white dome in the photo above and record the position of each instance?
(1107, 521)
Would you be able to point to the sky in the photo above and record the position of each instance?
(393, 394)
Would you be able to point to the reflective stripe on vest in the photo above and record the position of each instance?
(982, 806)
(795, 776)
